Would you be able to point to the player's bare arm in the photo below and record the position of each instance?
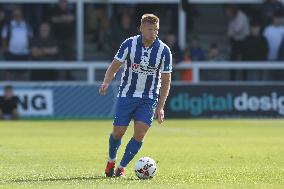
(110, 74)
(164, 92)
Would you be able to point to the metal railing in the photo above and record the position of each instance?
(198, 66)
(91, 68)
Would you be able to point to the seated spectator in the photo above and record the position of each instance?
(98, 23)
(214, 53)
(171, 41)
(238, 30)
(274, 34)
(101, 26)
(15, 37)
(269, 7)
(44, 47)
(256, 47)
(214, 56)
(195, 51)
(63, 20)
(124, 30)
(8, 104)
(186, 74)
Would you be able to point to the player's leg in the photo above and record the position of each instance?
(140, 130)
(143, 117)
(123, 115)
(133, 146)
(115, 141)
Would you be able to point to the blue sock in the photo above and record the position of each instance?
(113, 146)
(131, 150)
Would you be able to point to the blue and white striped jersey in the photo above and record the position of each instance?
(142, 72)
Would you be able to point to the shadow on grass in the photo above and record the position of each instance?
(90, 178)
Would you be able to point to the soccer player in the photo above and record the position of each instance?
(144, 88)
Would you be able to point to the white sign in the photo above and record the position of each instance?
(34, 102)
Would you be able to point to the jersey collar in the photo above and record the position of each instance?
(154, 44)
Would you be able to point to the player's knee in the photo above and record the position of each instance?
(118, 134)
(140, 132)
(139, 136)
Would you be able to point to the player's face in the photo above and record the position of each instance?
(149, 31)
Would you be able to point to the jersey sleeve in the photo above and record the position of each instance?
(122, 51)
(167, 62)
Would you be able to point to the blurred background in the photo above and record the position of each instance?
(227, 54)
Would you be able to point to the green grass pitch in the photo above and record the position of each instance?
(190, 154)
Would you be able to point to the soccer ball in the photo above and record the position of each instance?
(145, 168)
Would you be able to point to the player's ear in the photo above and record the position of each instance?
(140, 28)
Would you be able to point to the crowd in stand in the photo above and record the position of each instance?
(46, 32)
(253, 36)
(41, 33)
(52, 37)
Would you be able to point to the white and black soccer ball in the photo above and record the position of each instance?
(145, 168)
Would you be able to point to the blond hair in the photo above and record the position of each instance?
(150, 18)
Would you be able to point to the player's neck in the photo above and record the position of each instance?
(147, 43)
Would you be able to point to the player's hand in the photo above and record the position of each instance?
(103, 89)
(159, 113)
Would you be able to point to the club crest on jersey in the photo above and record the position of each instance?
(144, 63)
